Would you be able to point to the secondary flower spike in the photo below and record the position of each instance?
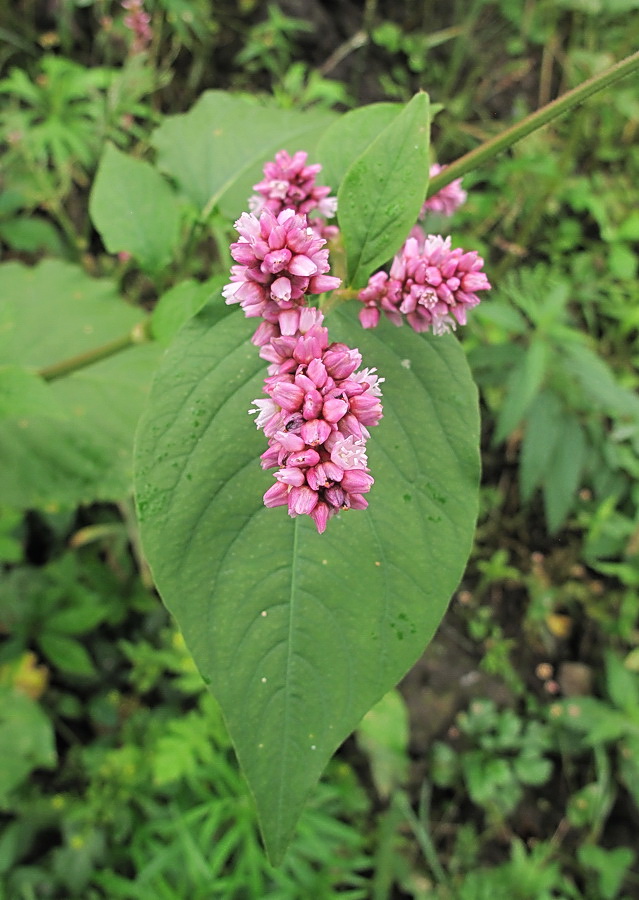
(280, 260)
(431, 286)
(316, 419)
(289, 183)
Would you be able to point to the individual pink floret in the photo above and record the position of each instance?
(316, 417)
(448, 199)
(280, 260)
(431, 286)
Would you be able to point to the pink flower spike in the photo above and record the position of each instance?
(289, 184)
(429, 283)
(278, 257)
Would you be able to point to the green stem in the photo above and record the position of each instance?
(531, 123)
(139, 334)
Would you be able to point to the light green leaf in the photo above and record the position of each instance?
(179, 303)
(215, 152)
(31, 234)
(523, 384)
(66, 654)
(541, 434)
(26, 739)
(23, 393)
(622, 685)
(564, 471)
(77, 619)
(48, 313)
(299, 634)
(350, 136)
(135, 209)
(383, 735)
(610, 865)
(597, 379)
(383, 191)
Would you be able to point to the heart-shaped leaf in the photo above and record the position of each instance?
(135, 209)
(215, 151)
(299, 634)
(76, 448)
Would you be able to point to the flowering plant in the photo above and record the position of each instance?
(301, 618)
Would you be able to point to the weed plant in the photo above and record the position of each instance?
(506, 764)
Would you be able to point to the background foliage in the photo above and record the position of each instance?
(506, 765)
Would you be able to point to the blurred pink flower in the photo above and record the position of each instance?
(139, 23)
(448, 199)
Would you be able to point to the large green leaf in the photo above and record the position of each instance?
(299, 634)
(134, 209)
(349, 136)
(23, 393)
(81, 450)
(524, 383)
(383, 191)
(215, 152)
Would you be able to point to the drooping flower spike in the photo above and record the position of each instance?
(429, 285)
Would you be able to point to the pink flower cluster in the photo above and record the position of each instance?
(289, 183)
(446, 201)
(280, 260)
(430, 284)
(139, 23)
(316, 419)
(319, 407)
